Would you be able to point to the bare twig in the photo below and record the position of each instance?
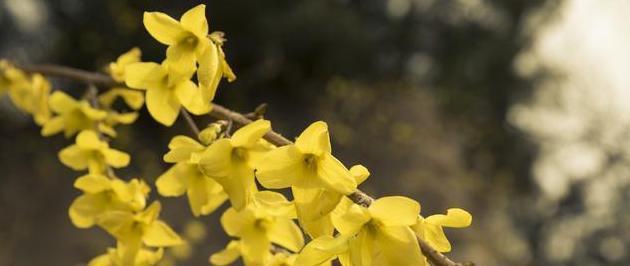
(191, 123)
(223, 113)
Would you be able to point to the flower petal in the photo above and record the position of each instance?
(216, 160)
(116, 158)
(191, 99)
(314, 139)
(397, 240)
(250, 134)
(195, 20)
(145, 75)
(159, 234)
(92, 183)
(280, 168)
(163, 105)
(454, 217)
(171, 183)
(321, 250)
(228, 255)
(287, 234)
(395, 211)
(334, 175)
(163, 28)
(74, 157)
(61, 103)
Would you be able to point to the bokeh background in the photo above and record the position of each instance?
(518, 111)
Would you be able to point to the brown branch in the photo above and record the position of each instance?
(223, 113)
(191, 122)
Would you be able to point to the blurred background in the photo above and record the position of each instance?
(518, 111)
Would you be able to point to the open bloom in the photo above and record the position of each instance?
(133, 98)
(230, 161)
(133, 230)
(72, 115)
(117, 69)
(316, 178)
(204, 194)
(89, 152)
(167, 90)
(102, 194)
(30, 94)
(377, 235)
(186, 38)
(267, 219)
(431, 228)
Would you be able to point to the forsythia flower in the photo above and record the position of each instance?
(267, 219)
(93, 154)
(377, 235)
(204, 194)
(114, 257)
(167, 90)
(231, 161)
(102, 194)
(117, 69)
(72, 115)
(430, 228)
(29, 94)
(311, 171)
(133, 230)
(186, 39)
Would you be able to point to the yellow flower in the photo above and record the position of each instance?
(213, 67)
(167, 90)
(377, 235)
(204, 194)
(93, 154)
(317, 179)
(230, 161)
(266, 220)
(430, 228)
(133, 230)
(28, 93)
(186, 39)
(72, 115)
(134, 99)
(324, 249)
(102, 194)
(113, 257)
(117, 69)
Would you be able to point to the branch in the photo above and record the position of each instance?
(223, 113)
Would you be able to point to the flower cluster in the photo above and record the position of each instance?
(219, 165)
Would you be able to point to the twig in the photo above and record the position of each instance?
(223, 113)
(191, 123)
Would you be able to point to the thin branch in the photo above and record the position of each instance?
(223, 113)
(191, 123)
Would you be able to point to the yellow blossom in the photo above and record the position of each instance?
(186, 39)
(167, 90)
(230, 161)
(376, 235)
(89, 152)
(28, 93)
(102, 194)
(204, 194)
(317, 179)
(72, 115)
(133, 230)
(266, 220)
(117, 69)
(430, 228)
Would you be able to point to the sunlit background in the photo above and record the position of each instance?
(518, 111)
